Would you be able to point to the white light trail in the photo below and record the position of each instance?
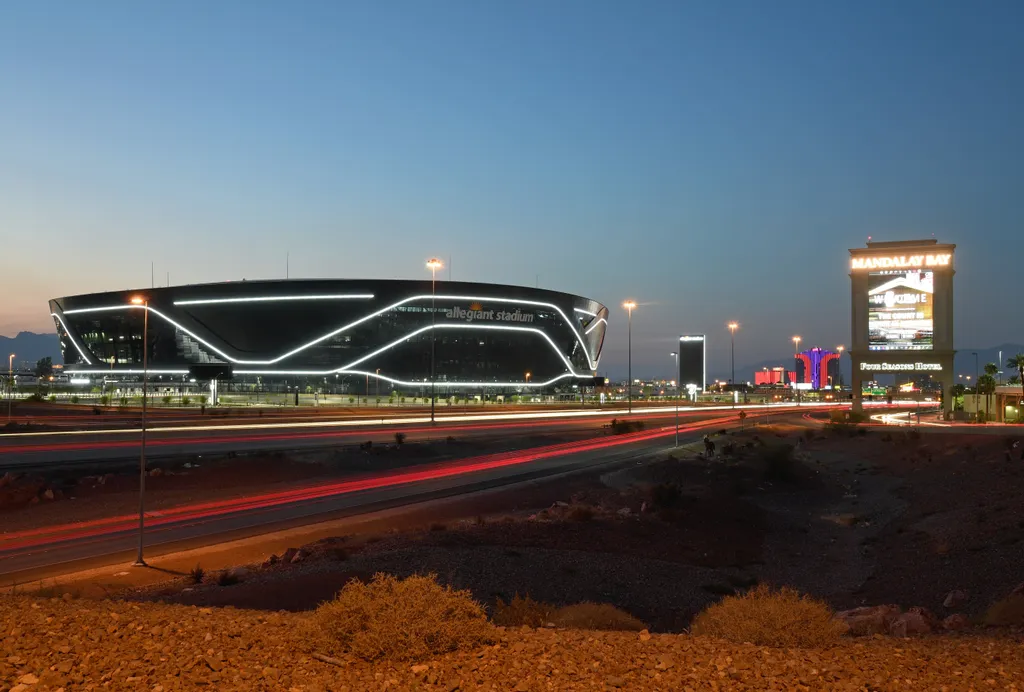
(462, 418)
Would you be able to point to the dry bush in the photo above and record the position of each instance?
(763, 617)
(413, 618)
(521, 612)
(596, 616)
(581, 513)
(1008, 612)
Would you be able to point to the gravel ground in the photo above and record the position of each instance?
(55, 644)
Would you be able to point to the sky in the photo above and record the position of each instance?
(711, 160)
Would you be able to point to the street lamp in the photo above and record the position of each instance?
(733, 326)
(630, 305)
(796, 353)
(977, 380)
(839, 349)
(675, 354)
(433, 264)
(138, 300)
(10, 385)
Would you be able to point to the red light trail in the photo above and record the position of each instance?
(41, 537)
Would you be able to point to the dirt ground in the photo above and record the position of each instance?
(78, 644)
(883, 517)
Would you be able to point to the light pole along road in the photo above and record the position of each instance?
(675, 354)
(630, 305)
(144, 303)
(796, 364)
(433, 264)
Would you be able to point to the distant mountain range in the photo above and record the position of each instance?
(28, 348)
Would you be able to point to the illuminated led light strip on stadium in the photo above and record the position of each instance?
(347, 369)
(441, 384)
(585, 312)
(70, 336)
(271, 299)
(462, 418)
(591, 362)
(594, 325)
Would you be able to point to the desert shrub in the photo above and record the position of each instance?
(581, 513)
(718, 589)
(841, 428)
(521, 612)
(197, 574)
(74, 398)
(104, 399)
(399, 438)
(779, 464)
(623, 427)
(52, 398)
(166, 400)
(666, 495)
(185, 401)
(351, 400)
(227, 578)
(1008, 612)
(764, 617)
(596, 616)
(413, 618)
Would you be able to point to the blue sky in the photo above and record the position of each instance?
(712, 160)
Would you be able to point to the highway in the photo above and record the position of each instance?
(48, 548)
(35, 450)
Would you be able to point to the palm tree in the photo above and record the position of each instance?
(1017, 363)
(991, 370)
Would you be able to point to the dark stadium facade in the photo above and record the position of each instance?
(486, 337)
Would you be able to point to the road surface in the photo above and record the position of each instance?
(33, 450)
(29, 553)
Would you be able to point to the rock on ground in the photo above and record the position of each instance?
(117, 645)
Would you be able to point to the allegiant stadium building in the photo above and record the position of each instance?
(478, 336)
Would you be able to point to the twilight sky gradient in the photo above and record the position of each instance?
(713, 160)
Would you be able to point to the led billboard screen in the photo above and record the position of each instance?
(900, 310)
(691, 361)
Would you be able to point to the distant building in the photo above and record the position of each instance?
(777, 375)
(817, 367)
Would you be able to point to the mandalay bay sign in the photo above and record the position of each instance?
(901, 261)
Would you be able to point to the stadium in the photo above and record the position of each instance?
(338, 334)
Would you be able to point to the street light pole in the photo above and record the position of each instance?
(434, 264)
(796, 354)
(839, 349)
(630, 305)
(977, 379)
(139, 560)
(732, 342)
(10, 385)
(678, 384)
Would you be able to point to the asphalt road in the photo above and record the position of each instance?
(27, 554)
(68, 448)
